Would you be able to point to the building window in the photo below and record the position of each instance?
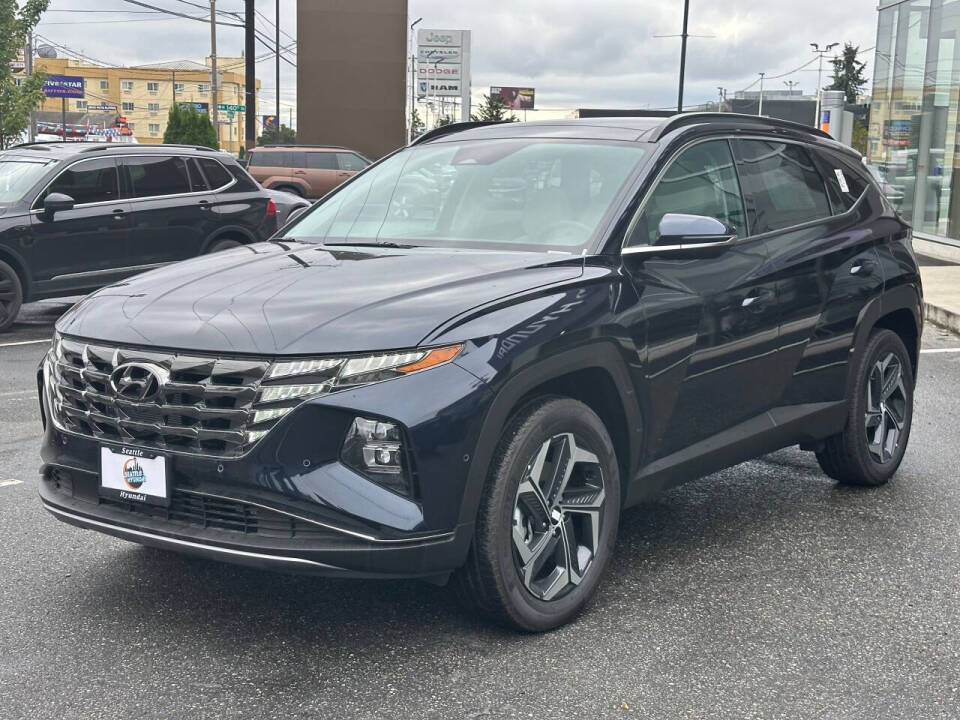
(153, 87)
(203, 88)
(127, 107)
(127, 85)
(104, 84)
(154, 128)
(178, 87)
(81, 104)
(154, 108)
(18, 81)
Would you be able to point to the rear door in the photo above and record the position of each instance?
(350, 164)
(170, 209)
(709, 313)
(322, 172)
(271, 168)
(823, 257)
(86, 246)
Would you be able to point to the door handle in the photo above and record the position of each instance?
(299, 172)
(204, 204)
(863, 268)
(118, 213)
(757, 300)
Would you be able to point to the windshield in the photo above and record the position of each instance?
(18, 176)
(512, 194)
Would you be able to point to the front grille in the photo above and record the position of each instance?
(202, 511)
(203, 406)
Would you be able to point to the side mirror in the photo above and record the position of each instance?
(57, 202)
(681, 229)
(295, 213)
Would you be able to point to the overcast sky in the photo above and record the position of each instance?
(599, 53)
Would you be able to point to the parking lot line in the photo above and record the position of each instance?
(11, 481)
(935, 351)
(25, 342)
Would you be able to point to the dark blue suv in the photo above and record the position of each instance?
(467, 360)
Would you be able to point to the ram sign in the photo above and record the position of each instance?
(443, 66)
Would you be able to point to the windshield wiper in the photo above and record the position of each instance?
(385, 243)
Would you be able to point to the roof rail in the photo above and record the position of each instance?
(454, 128)
(295, 145)
(695, 118)
(36, 145)
(95, 146)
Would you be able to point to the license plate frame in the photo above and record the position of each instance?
(134, 475)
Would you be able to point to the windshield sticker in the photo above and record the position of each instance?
(842, 180)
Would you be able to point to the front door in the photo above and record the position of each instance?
(322, 173)
(85, 247)
(709, 313)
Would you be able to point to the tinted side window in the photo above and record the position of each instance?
(153, 176)
(351, 162)
(845, 184)
(781, 185)
(197, 182)
(701, 181)
(216, 174)
(321, 161)
(271, 159)
(88, 182)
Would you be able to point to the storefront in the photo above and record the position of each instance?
(916, 107)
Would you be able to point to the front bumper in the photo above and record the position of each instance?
(290, 503)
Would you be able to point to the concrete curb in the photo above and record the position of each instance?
(942, 317)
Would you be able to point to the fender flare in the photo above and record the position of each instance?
(221, 233)
(601, 355)
(20, 266)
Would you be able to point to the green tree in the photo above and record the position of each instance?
(174, 130)
(860, 138)
(444, 121)
(186, 126)
(417, 125)
(16, 103)
(493, 110)
(278, 136)
(848, 73)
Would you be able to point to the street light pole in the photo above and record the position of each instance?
(790, 84)
(760, 112)
(213, 69)
(413, 81)
(683, 52)
(278, 69)
(821, 53)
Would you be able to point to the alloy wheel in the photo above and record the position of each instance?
(886, 408)
(557, 517)
(8, 296)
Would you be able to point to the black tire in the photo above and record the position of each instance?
(490, 582)
(11, 296)
(295, 189)
(221, 245)
(849, 457)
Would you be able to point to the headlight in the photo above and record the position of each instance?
(289, 382)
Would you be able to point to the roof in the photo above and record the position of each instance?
(175, 65)
(61, 150)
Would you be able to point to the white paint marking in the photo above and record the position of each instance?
(937, 351)
(11, 481)
(24, 342)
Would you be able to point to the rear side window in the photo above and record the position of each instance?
(271, 159)
(86, 182)
(351, 162)
(781, 185)
(321, 161)
(216, 174)
(701, 181)
(156, 176)
(845, 184)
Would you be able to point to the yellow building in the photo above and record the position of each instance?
(144, 94)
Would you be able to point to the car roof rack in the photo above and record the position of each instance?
(454, 128)
(696, 118)
(295, 145)
(96, 146)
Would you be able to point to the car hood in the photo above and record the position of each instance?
(298, 298)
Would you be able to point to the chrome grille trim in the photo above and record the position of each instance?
(204, 409)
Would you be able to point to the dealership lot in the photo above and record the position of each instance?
(762, 591)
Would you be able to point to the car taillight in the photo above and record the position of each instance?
(271, 208)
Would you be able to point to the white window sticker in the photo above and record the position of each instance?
(842, 180)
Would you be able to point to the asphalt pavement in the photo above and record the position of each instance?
(764, 591)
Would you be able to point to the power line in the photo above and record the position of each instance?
(178, 14)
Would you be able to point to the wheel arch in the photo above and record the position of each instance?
(228, 232)
(596, 375)
(19, 266)
(899, 310)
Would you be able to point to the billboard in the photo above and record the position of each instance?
(63, 86)
(515, 98)
(443, 67)
(201, 107)
(896, 133)
(269, 122)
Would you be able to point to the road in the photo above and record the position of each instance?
(764, 591)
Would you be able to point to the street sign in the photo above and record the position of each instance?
(102, 107)
(230, 113)
(63, 86)
(232, 108)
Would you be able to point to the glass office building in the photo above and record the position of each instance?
(913, 143)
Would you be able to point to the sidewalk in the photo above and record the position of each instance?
(941, 293)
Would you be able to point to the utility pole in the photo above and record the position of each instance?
(723, 96)
(278, 68)
(761, 94)
(683, 52)
(413, 81)
(249, 53)
(214, 115)
(821, 53)
(28, 71)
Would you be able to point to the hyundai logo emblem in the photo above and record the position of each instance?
(138, 381)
